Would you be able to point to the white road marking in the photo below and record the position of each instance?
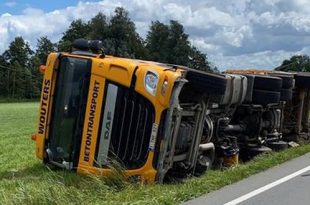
(268, 186)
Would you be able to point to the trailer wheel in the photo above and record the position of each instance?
(265, 97)
(267, 83)
(287, 80)
(286, 94)
(209, 83)
(302, 80)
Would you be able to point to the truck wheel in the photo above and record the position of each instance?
(203, 164)
(278, 146)
(286, 94)
(254, 151)
(287, 80)
(267, 83)
(209, 83)
(249, 92)
(302, 80)
(265, 97)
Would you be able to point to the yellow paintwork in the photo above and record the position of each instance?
(101, 82)
(121, 71)
(48, 75)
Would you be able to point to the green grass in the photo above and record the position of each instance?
(24, 180)
(17, 100)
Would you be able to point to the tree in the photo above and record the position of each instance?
(19, 80)
(199, 61)
(44, 47)
(178, 44)
(298, 63)
(19, 51)
(170, 44)
(77, 29)
(100, 30)
(157, 42)
(3, 77)
(118, 35)
(99, 27)
(17, 59)
(123, 40)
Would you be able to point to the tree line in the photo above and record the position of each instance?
(166, 43)
(296, 63)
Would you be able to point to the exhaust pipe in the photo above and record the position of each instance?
(206, 146)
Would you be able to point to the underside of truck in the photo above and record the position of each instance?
(187, 128)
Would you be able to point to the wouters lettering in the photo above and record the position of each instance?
(43, 107)
(90, 123)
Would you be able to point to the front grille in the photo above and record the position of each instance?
(132, 127)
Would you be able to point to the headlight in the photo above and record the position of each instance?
(150, 82)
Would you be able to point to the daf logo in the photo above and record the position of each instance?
(108, 125)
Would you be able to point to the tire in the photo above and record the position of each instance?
(286, 94)
(264, 97)
(255, 151)
(202, 165)
(302, 80)
(209, 83)
(278, 146)
(249, 92)
(287, 81)
(267, 83)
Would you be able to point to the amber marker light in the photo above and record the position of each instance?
(34, 137)
(42, 69)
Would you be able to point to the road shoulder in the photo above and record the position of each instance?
(233, 191)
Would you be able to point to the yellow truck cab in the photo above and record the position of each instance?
(151, 118)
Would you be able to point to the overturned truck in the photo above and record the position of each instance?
(157, 121)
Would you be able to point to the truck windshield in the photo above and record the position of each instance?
(69, 109)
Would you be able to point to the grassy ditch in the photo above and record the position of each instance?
(24, 180)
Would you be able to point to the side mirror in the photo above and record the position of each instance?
(81, 44)
(93, 46)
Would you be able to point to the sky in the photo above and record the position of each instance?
(234, 34)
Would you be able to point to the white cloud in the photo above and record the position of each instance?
(260, 60)
(33, 23)
(239, 33)
(203, 44)
(235, 36)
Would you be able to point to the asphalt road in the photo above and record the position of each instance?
(286, 184)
